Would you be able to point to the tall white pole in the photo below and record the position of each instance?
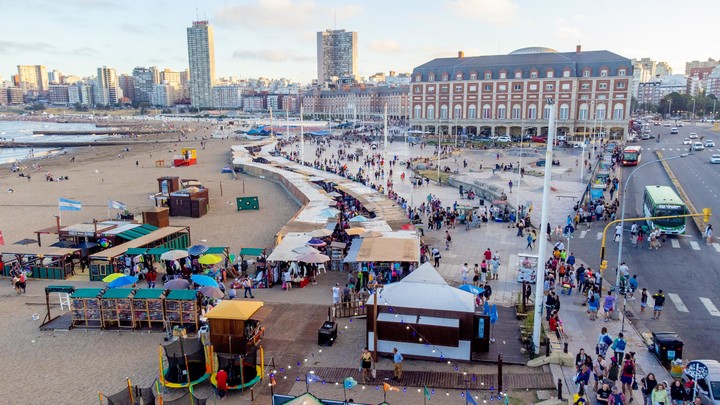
(542, 249)
(272, 130)
(517, 186)
(439, 134)
(302, 138)
(287, 119)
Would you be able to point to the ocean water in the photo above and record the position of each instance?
(22, 131)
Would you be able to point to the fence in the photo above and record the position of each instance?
(355, 306)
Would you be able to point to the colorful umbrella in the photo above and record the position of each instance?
(174, 255)
(210, 259)
(197, 250)
(316, 242)
(472, 289)
(112, 277)
(320, 233)
(123, 281)
(313, 258)
(203, 280)
(212, 292)
(359, 218)
(177, 284)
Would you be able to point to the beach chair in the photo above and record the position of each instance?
(64, 300)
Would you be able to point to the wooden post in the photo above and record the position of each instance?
(375, 315)
(221, 193)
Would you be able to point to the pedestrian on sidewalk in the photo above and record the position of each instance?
(618, 232)
(618, 346)
(643, 299)
(436, 256)
(510, 184)
(448, 240)
(608, 306)
(248, 284)
(603, 343)
(464, 273)
(520, 227)
(366, 364)
(603, 394)
(495, 266)
(648, 386)
(613, 371)
(659, 302)
(397, 364)
(708, 234)
(628, 375)
(483, 271)
(599, 370)
(529, 240)
(476, 277)
(660, 395)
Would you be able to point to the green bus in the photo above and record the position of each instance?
(661, 201)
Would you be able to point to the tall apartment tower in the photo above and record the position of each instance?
(201, 57)
(32, 78)
(106, 86)
(336, 55)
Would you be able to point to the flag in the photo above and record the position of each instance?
(470, 399)
(311, 378)
(493, 314)
(387, 387)
(349, 383)
(69, 205)
(426, 392)
(116, 205)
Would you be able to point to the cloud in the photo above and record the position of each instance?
(488, 11)
(290, 15)
(385, 46)
(135, 28)
(268, 56)
(11, 47)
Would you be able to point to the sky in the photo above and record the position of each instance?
(277, 38)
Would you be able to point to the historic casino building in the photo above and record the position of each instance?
(501, 94)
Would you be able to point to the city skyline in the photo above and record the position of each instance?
(277, 38)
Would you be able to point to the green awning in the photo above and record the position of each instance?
(136, 251)
(251, 251)
(148, 294)
(185, 295)
(117, 293)
(158, 250)
(86, 293)
(216, 250)
(137, 232)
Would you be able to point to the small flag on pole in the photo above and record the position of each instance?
(349, 383)
(470, 399)
(426, 392)
(69, 205)
(387, 387)
(117, 205)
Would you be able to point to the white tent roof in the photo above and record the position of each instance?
(425, 288)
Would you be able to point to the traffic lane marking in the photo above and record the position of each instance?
(675, 243)
(710, 306)
(678, 302)
(599, 236)
(716, 246)
(582, 234)
(694, 245)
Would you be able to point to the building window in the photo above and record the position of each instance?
(533, 87)
(444, 89)
(586, 73)
(459, 76)
(549, 86)
(517, 86)
(583, 112)
(472, 88)
(604, 72)
(458, 88)
(621, 85)
(585, 86)
(487, 87)
(532, 112)
(431, 89)
(564, 112)
(431, 77)
(602, 86)
(486, 112)
(443, 112)
(546, 112)
(457, 111)
(618, 112)
(566, 73)
(621, 72)
(600, 112)
(473, 76)
(565, 86)
(445, 77)
(503, 75)
(430, 112)
(550, 73)
(501, 112)
(418, 89)
(516, 112)
(488, 76)
(472, 112)
(417, 112)
(518, 75)
(533, 74)
(502, 87)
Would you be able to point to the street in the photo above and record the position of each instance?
(685, 267)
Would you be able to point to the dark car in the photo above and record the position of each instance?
(541, 162)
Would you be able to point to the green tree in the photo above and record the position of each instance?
(144, 107)
(38, 107)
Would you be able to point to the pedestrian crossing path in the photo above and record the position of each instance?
(683, 148)
(678, 303)
(672, 242)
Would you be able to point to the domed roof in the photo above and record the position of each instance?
(532, 49)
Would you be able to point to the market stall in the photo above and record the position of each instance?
(182, 307)
(147, 306)
(85, 305)
(40, 262)
(116, 308)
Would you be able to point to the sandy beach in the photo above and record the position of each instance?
(71, 367)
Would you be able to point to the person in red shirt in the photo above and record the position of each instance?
(222, 388)
(488, 254)
(151, 277)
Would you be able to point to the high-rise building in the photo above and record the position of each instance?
(336, 55)
(32, 78)
(144, 80)
(201, 57)
(80, 93)
(15, 95)
(55, 76)
(127, 85)
(58, 94)
(106, 86)
(174, 80)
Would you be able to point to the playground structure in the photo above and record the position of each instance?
(187, 157)
(187, 363)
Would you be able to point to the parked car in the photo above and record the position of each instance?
(680, 124)
(673, 130)
(645, 136)
(693, 135)
(715, 159)
(632, 138)
(709, 143)
(687, 141)
(541, 162)
(698, 146)
(667, 124)
(538, 138)
(503, 139)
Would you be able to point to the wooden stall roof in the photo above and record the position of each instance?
(389, 250)
(37, 250)
(378, 204)
(139, 242)
(234, 310)
(296, 226)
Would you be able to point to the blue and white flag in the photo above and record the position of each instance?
(116, 205)
(470, 399)
(69, 205)
(312, 378)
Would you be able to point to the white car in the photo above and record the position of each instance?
(709, 143)
(715, 159)
(673, 130)
(693, 135)
(687, 141)
(680, 124)
(698, 146)
(667, 124)
(503, 139)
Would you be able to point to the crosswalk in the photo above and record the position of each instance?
(684, 148)
(675, 242)
(681, 307)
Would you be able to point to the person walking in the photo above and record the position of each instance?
(604, 341)
(648, 385)
(495, 266)
(599, 370)
(397, 364)
(618, 232)
(247, 284)
(608, 306)
(659, 395)
(436, 256)
(336, 294)
(618, 347)
(708, 234)
(448, 240)
(221, 380)
(529, 241)
(643, 299)
(510, 184)
(365, 365)
(658, 305)
(628, 376)
(464, 273)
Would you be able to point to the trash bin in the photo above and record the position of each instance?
(327, 334)
(667, 346)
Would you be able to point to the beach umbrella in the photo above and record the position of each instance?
(359, 218)
(203, 280)
(197, 250)
(177, 284)
(371, 234)
(313, 258)
(210, 259)
(316, 242)
(305, 249)
(472, 289)
(212, 292)
(354, 231)
(329, 212)
(122, 281)
(174, 255)
(112, 277)
(320, 233)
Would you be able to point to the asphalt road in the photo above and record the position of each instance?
(685, 268)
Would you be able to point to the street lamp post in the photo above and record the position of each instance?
(693, 116)
(622, 222)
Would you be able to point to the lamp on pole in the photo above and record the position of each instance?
(542, 249)
(693, 116)
(622, 220)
